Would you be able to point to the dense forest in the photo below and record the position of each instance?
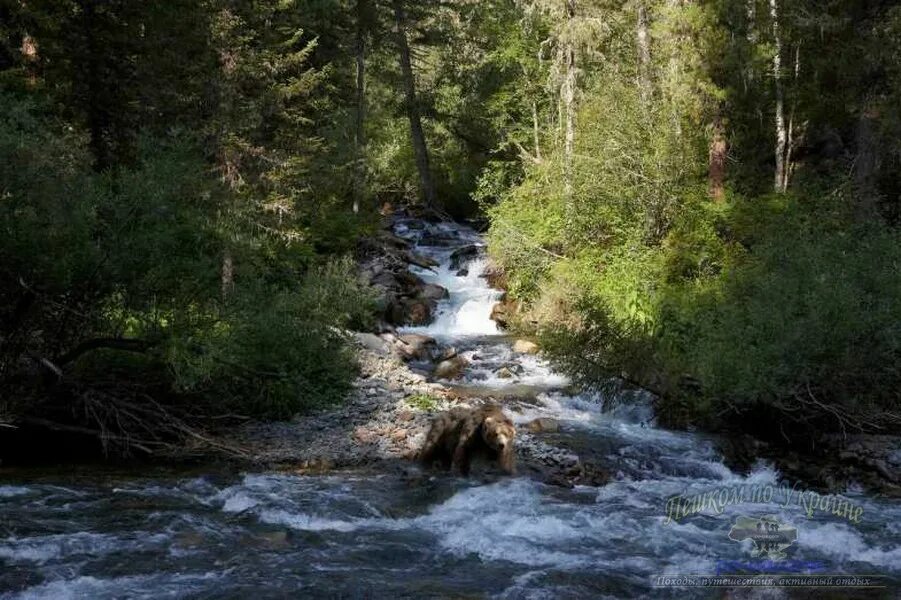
(700, 198)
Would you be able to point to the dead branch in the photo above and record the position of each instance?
(123, 344)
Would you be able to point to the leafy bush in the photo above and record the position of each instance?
(782, 304)
(92, 264)
(274, 352)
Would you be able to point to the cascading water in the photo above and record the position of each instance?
(468, 310)
(385, 535)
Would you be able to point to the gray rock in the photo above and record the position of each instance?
(450, 369)
(414, 346)
(372, 342)
(461, 256)
(432, 291)
(543, 425)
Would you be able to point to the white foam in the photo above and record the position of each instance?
(136, 586)
(306, 522)
(10, 491)
(467, 310)
(239, 502)
(48, 548)
(504, 521)
(841, 542)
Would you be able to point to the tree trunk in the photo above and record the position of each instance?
(751, 37)
(359, 131)
(781, 134)
(419, 146)
(866, 164)
(97, 118)
(717, 160)
(568, 96)
(789, 138)
(29, 51)
(644, 54)
(227, 274)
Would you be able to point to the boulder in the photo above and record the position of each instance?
(394, 312)
(525, 347)
(389, 239)
(503, 373)
(500, 314)
(460, 257)
(450, 369)
(420, 261)
(417, 312)
(384, 279)
(447, 353)
(495, 277)
(414, 346)
(408, 284)
(433, 291)
(439, 237)
(543, 425)
(462, 272)
(372, 342)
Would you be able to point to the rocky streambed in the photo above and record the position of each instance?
(441, 346)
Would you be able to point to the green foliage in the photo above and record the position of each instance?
(812, 312)
(133, 253)
(274, 353)
(628, 269)
(182, 174)
(424, 402)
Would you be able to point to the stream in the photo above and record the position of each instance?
(90, 533)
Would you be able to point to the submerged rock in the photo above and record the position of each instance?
(460, 257)
(543, 425)
(451, 368)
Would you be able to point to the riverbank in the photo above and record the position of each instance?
(384, 422)
(434, 349)
(385, 418)
(406, 379)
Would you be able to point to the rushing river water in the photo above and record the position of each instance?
(376, 535)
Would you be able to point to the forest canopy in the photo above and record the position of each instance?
(696, 197)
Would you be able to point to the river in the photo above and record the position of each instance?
(89, 533)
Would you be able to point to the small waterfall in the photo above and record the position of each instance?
(467, 311)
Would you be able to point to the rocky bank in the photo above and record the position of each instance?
(385, 420)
